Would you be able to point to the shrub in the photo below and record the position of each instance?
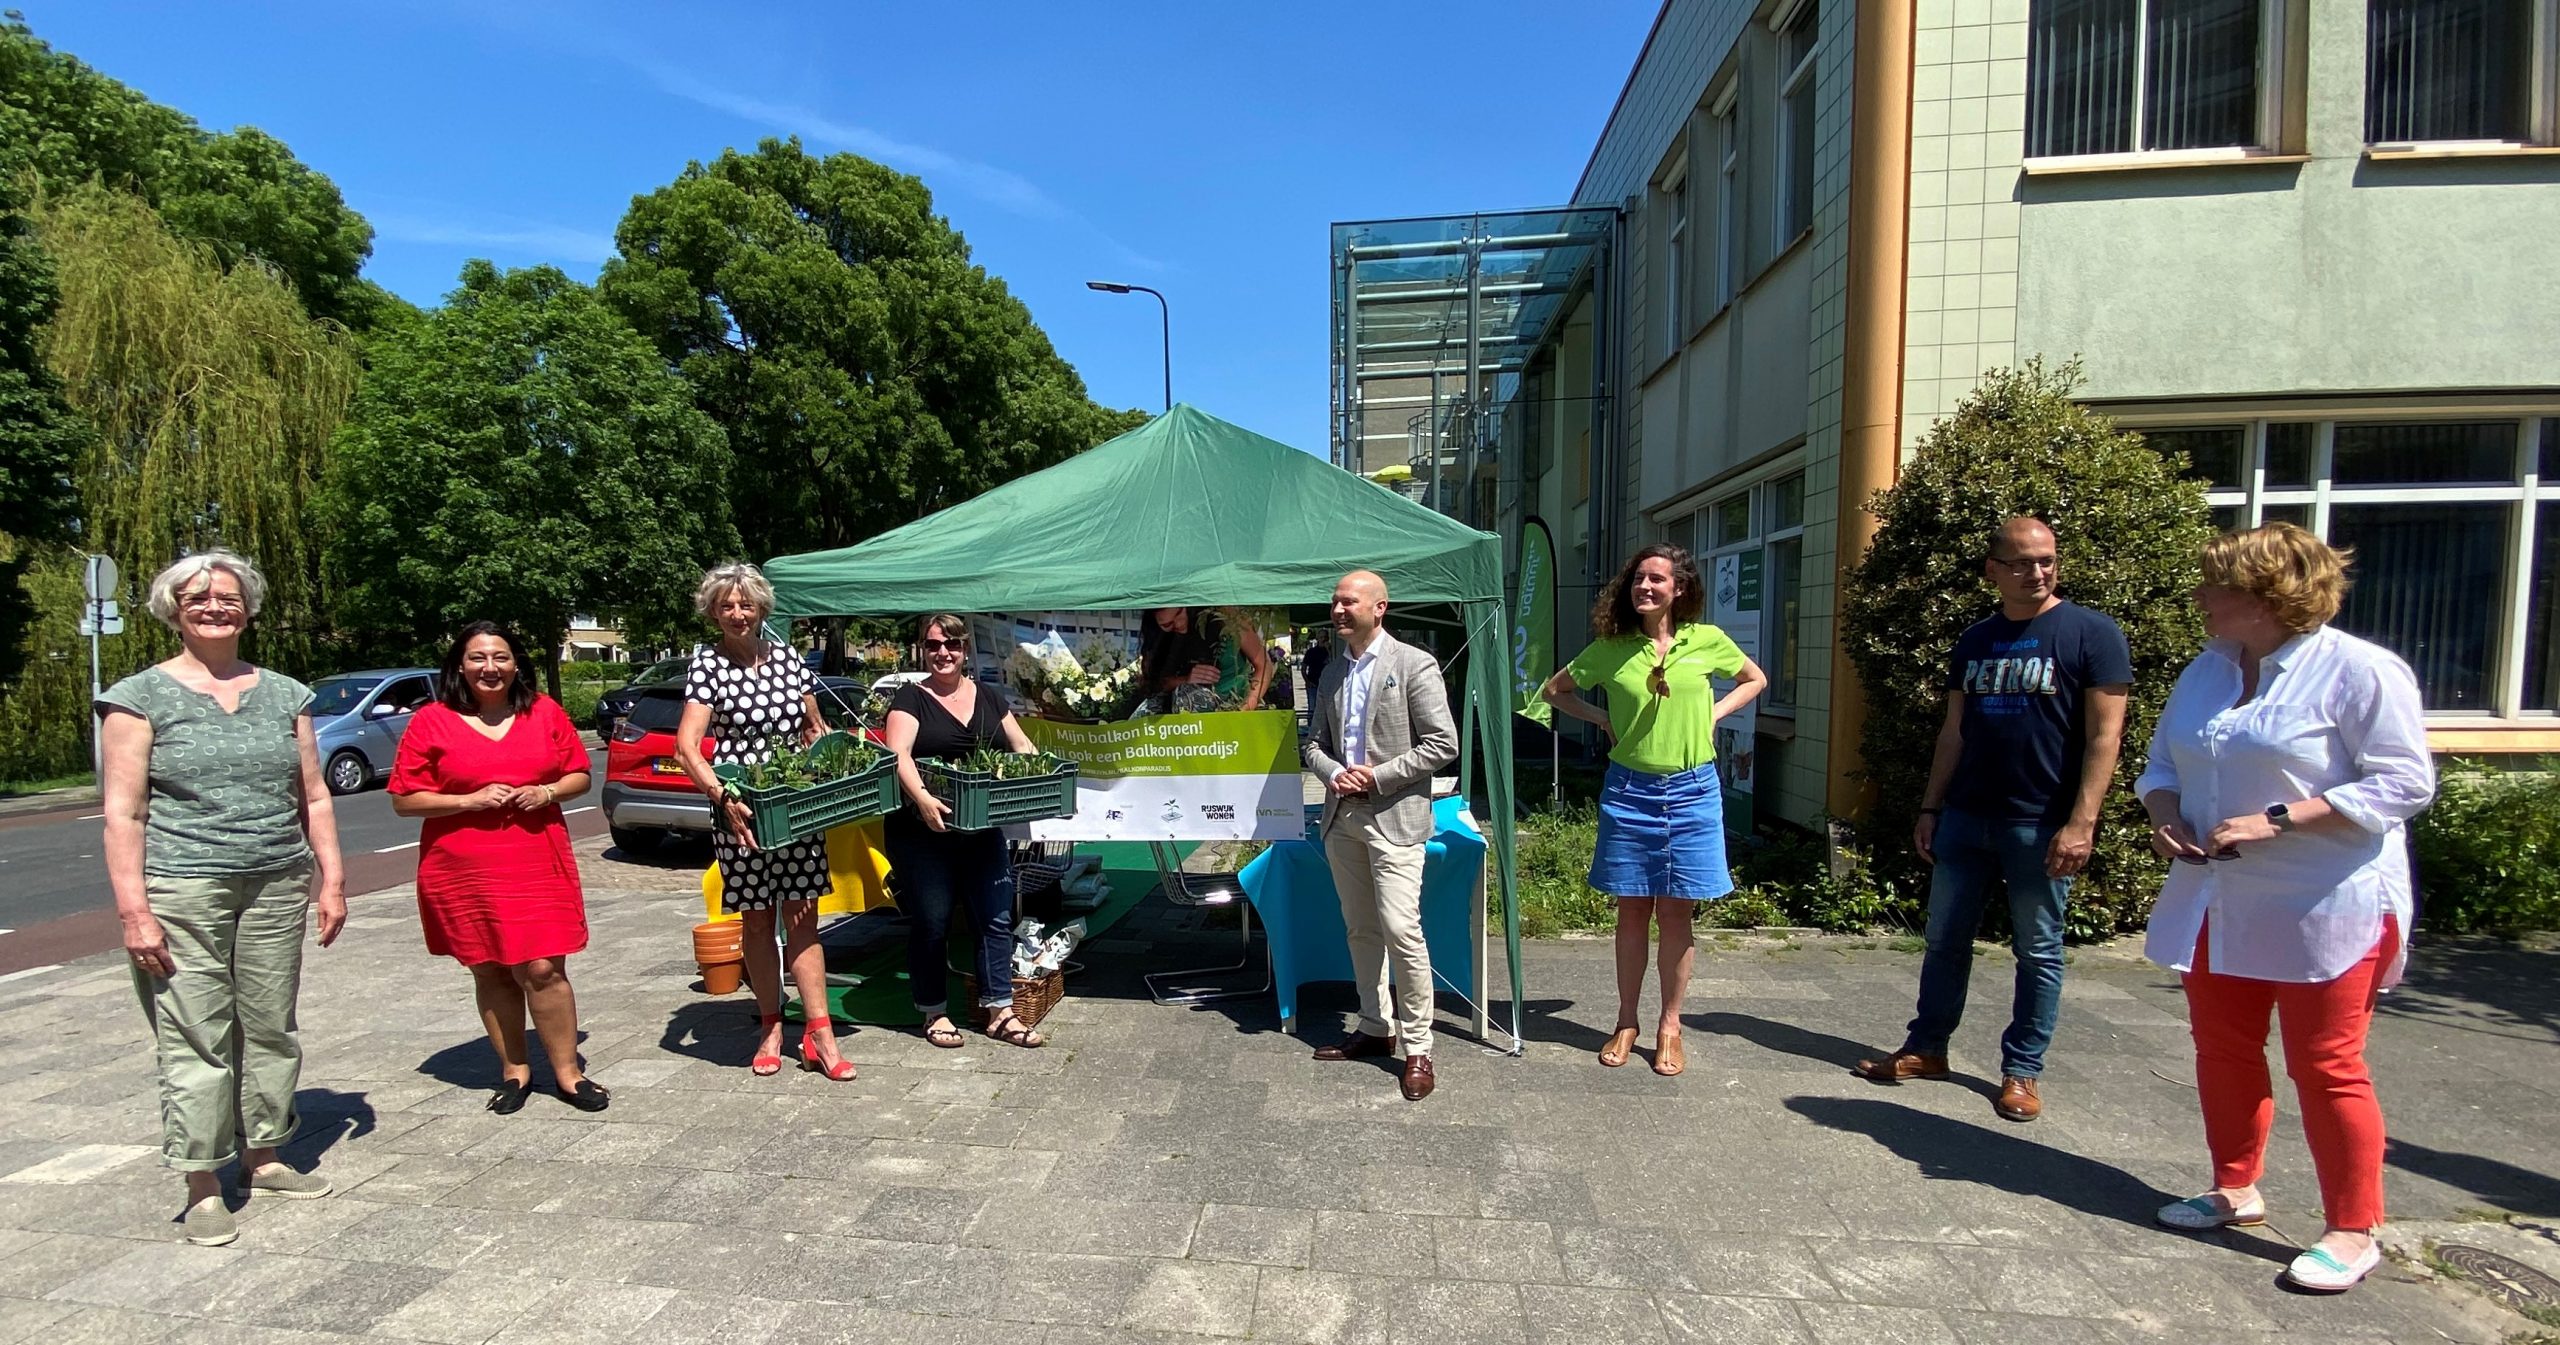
(2130, 528)
(2488, 852)
(1555, 857)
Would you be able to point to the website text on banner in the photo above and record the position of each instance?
(1208, 777)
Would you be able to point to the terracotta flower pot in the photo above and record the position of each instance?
(718, 941)
(722, 978)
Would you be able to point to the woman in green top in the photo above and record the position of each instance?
(1661, 844)
(220, 844)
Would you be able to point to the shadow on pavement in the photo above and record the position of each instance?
(328, 1117)
(1949, 1150)
(1822, 1047)
(720, 1033)
(474, 1063)
(2481, 985)
(2511, 1188)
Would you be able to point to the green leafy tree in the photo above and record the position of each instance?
(866, 371)
(241, 193)
(518, 455)
(2130, 527)
(40, 437)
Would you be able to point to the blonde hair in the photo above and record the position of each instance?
(174, 582)
(2303, 578)
(735, 577)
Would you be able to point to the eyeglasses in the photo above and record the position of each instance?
(932, 646)
(2026, 565)
(1661, 680)
(204, 602)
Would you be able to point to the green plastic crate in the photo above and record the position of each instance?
(978, 800)
(780, 816)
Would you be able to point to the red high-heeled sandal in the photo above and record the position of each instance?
(766, 1064)
(809, 1030)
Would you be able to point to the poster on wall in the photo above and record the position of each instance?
(994, 637)
(1231, 776)
(1736, 601)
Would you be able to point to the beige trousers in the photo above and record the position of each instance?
(1380, 884)
(230, 1049)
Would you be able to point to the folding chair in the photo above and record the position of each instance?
(1205, 889)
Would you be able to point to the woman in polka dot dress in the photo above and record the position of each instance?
(744, 692)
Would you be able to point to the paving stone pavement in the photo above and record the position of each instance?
(1173, 1175)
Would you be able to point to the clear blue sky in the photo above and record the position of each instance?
(1199, 147)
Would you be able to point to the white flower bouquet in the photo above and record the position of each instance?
(1097, 682)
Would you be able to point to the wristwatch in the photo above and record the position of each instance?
(2280, 816)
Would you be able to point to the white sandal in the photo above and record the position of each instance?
(2321, 1273)
(2207, 1212)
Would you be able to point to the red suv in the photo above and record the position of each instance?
(647, 795)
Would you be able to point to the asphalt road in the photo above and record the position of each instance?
(54, 902)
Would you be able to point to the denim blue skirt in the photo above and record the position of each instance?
(1661, 835)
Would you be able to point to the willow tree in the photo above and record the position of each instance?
(212, 396)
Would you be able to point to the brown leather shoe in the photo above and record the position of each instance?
(1417, 1077)
(1903, 1065)
(1357, 1046)
(2019, 1100)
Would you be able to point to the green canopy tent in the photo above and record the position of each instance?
(1191, 510)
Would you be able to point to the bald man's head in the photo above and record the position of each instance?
(1359, 604)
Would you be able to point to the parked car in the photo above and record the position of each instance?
(358, 718)
(647, 796)
(614, 704)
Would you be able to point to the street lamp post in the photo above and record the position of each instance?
(1166, 310)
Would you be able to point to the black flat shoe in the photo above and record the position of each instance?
(509, 1099)
(587, 1096)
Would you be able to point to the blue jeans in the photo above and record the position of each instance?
(1974, 853)
(937, 871)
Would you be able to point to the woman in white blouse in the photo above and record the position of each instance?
(2285, 764)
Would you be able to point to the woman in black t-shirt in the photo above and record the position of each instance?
(944, 718)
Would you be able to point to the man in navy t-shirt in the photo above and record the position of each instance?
(2035, 714)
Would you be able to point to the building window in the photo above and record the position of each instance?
(1765, 526)
(1799, 42)
(2451, 520)
(1728, 152)
(2457, 70)
(1675, 259)
(2130, 76)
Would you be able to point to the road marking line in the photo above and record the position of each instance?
(88, 817)
(405, 845)
(573, 812)
(32, 971)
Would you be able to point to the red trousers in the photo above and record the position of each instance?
(2324, 1029)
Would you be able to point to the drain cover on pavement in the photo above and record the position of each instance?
(2521, 1285)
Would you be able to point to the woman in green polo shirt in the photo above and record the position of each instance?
(1661, 845)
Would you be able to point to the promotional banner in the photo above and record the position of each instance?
(1533, 622)
(1736, 609)
(1209, 777)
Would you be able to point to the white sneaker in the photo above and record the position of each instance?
(2321, 1273)
(2204, 1213)
(276, 1179)
(208, 1223)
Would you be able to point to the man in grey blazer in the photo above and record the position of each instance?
(1380, 728)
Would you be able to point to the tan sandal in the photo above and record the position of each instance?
(1669, 1056)
(1622, 1043)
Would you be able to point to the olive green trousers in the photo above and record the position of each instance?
(223, 1020)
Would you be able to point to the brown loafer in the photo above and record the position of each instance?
(1357, 1046)
(1903, 1065)
(1417, 1077)
(2018, 1100)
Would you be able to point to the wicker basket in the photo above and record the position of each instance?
(1033, 998)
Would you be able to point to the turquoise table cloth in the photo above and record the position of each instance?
(1291, 888)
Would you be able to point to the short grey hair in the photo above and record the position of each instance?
(735, 577)
(173, 582)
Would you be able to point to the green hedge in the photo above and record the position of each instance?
(1780, 874)
(2488, 852)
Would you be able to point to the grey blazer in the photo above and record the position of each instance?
(1411, 736)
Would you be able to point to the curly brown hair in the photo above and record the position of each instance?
(2303, 578)
(1615, 611)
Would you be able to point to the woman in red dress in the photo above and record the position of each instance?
(487, 765)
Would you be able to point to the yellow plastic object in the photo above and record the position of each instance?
(857, 869)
